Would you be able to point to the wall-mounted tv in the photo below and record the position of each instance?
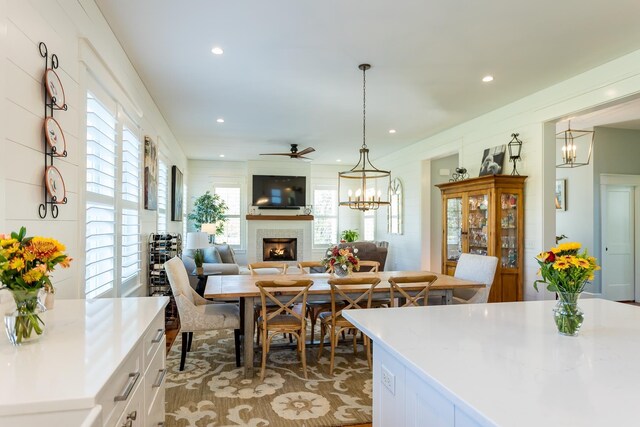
(279, 192)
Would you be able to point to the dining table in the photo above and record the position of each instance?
(243, 288)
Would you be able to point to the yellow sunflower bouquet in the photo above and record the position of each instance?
(25, 267)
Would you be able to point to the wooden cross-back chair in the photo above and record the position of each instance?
(306, 266)
(346, 295)
(281, 317)
(256, 268)
(419, 298)
(374, 266)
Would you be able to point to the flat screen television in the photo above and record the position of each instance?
(279, 192)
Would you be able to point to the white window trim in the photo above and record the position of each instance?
(315, 187)
(221, 182)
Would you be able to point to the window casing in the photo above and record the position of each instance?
(112, 219)
(231, 194)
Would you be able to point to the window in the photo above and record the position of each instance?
(231, 196)
(112, 202)
(325, 224)
(163, 186)
(369, 219)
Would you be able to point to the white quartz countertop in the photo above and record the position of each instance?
(507, 364)
(83, 344)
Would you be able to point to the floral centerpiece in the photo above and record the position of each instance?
(566, 271)
(341, 261)
(25, 265)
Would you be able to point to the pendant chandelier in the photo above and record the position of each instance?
(576, 147)
(365, 186)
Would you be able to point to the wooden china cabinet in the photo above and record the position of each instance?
(485, 216)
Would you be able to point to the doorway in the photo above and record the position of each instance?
(619, 225)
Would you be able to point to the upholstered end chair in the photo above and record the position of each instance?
(479, 268)
(369, 251)
(218, 259)
(196, 313)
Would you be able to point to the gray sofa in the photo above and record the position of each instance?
(218, 259)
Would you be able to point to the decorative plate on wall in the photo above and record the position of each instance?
(55, 184)
(54, 88)
(55, 136)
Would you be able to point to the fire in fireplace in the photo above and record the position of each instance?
(279, 249)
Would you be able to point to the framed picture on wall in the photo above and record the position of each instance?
(492, 160)
(176, 194)
(150, 174)
(561, 195)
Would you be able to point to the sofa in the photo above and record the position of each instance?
(218, 259)
(369, 251)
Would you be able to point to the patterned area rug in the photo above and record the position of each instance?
(211, 391)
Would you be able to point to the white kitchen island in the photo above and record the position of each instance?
(99, 363)
(503, 365)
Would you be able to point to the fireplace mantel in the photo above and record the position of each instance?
(279, 217)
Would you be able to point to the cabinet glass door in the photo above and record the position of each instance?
(478, 217)
(509, 230)
(454, 228)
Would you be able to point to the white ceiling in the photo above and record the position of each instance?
(289, 72)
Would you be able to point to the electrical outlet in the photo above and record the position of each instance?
(388, 380)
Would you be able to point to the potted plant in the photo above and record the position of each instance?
(350, 235)
(209, 209)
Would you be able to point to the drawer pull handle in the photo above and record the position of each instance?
(161, 374)
(132, 416)
(161, 424)
(133, 378)
(129, 423)
(158, 337)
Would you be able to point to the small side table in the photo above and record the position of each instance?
(202, 281)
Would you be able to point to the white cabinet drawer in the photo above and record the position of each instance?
(154, 378)
(155, 416)
(117, 392)
(133, 414)
(153, 338)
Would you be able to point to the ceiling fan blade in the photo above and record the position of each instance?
(303, 157)
(306, 151)
(275, 154)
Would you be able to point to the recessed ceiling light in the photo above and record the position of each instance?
(217, 50)
(221, 155)
(338, 160)
(487, 79)
(220, 120)
(392, 131)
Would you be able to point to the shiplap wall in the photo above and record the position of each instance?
(65, 26)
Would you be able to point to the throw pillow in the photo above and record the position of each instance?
(211, 255)
(226, 254)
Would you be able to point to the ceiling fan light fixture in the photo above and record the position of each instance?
(365, 186)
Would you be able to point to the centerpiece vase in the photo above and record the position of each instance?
(567, 314)
(341, 272)
(24, 324)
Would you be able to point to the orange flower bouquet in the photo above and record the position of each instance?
(25, 267)
(341, 261)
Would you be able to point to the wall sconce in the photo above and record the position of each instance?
(515, 147)
(577, 146)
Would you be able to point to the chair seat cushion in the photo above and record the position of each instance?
(281, 320)
(216, 316)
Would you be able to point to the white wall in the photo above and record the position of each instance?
(72, 30)
(528, 116)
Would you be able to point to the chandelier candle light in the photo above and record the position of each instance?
(570, 139)
(371, 184)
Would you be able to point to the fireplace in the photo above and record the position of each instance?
(279, 249)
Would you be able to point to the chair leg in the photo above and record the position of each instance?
(333, 338)
(367, 348)
(303, 356)
(185, 344)
(355, 342)
(265, 349)
(312, 319)
(236, 339)
(190, 340)
(322, 334)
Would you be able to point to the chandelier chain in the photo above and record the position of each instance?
(364, 107)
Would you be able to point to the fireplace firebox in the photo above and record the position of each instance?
(279, 249)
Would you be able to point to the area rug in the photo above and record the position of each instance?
(211, 391)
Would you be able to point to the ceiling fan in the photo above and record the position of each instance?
(294, 153)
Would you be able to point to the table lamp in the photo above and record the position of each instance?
(197, 241)
(210, 229)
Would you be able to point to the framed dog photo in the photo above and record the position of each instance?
(492, 160)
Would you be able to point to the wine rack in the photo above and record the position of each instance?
(163, 247)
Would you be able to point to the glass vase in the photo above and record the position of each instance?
(341, 272)
(567, 314)
(24, 324)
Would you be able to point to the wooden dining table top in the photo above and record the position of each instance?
(235, 286)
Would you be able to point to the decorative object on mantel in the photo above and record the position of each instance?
(572, 155)
(25, 266)
(341, 261)
(209, 209)
(566, 272)
(492, 160)
(54, 142)
(371, 183)
(459, 175)
(515, 148)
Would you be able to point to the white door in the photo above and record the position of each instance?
(618, 242)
